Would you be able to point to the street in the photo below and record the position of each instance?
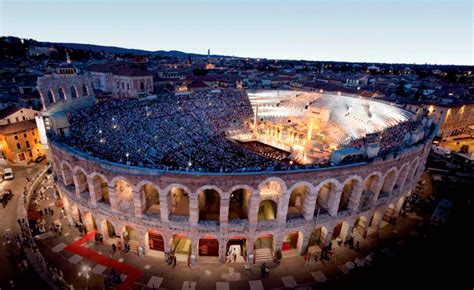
(8, 223)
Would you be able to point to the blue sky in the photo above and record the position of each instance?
(416, 31)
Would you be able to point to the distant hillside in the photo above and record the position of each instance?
(114, 49)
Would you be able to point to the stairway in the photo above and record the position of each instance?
(263, 254)
(133, 241)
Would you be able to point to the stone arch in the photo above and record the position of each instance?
(209, 202)
(412, 170)
(370, 192)
(85, 90)
(57, 167)
(402, 176)
(326, 191)
(239, 202)
(89, 221)
(178, 199)
(208, 246)
(108, 229)
(73, 92)
(292, 243)
(360, 226)
(155, 241)
(68, 178)
(82, 186)
(350, 187)
(299, 193)
(101, 188)
(272, 185)
(61, 94)
(123, 194)
(49, 98)
(389, 181)
(149, 197)
(267, 210)
(317, 239)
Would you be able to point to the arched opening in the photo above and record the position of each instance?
(73, 91)
(322, 202)
(178, 201)
(155, 241)
(387, 216)
(131, 238)
(267, 210)
(317, 239)
(85, 90)
(236, 249)
(296, 202)
(340, 232)
(360, 227)
(82, 185)
(348, 190)
(388, 183)
(402, 177)
(181, 247)
(151, 200)
(67, 177)
(108, 229)
(371, 186)
(62, 94)
(142, 86)
(49, 98)
(89, 222)
(264, 248)
(291, 245)
(239, 204)
(375, 220)
(208, 246)
(209, 205)
(124, 196)
(101, 190)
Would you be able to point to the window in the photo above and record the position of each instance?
(24, 135)
(17, 119)
(24, 118)
(118, 85)
(123, 86)
(36, 141)
(16, 137)
(85, 90)
(18, 146)
(128, 86)
(27, 144)
(9, 121)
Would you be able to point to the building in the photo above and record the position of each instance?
(19, 137)
(122, 80)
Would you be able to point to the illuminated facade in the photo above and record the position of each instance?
(203, 214)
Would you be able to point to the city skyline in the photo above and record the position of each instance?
(418, 32)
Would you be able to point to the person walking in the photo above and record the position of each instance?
(114, 248)
(174, 261)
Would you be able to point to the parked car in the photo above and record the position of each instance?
(8, 174)
(7, 194)
(40, 158)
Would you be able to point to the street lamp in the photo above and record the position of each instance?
(85, 269)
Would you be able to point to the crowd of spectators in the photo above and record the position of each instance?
(178, 132)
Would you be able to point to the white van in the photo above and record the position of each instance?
(441, 150)
(8, 174)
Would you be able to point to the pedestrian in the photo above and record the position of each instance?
(357, 246)
(19, 222)
(315, 258)
(114, 248)
(235, 257)
(174, 261)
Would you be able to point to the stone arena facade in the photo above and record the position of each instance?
(153, 210)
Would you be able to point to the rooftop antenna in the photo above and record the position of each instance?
(68, 58)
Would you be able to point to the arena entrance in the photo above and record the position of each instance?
(131, 237)
(178, 201)
(264, 248)
(238, 246)
(317, 239)
(291, 245)
(108, 229)
(181, 247)
(209, 247)
(156, 244)
(89, 222)
(360, 227)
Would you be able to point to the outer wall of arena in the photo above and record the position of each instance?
(203, 214)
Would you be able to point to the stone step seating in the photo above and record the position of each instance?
(133, 241)
(263, 254)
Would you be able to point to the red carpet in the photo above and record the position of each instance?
(132, 273)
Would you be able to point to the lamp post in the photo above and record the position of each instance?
(85, 269)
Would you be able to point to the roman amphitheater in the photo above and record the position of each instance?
(190, 183)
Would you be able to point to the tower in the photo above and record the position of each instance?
(68, 58)
(208, 53)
